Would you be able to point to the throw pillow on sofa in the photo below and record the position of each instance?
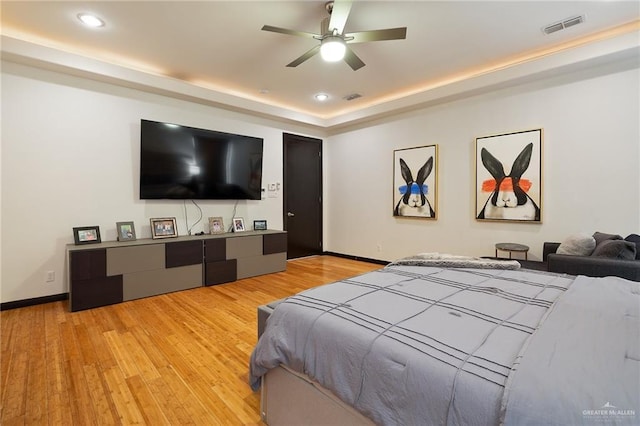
(635, 238)
(615, 249)
(601, 237)
(578, 245)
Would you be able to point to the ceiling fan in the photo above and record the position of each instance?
(333, 41)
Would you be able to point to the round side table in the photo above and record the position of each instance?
(512, 247)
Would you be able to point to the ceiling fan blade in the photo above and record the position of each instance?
(288, 32)
(339, 15)
(378, 35)
(305, 56)
(352, 59)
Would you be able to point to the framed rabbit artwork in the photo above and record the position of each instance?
(415, 182)
(509, 177)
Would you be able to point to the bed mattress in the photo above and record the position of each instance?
(412, 344)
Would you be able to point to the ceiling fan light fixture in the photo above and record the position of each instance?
(333, 49)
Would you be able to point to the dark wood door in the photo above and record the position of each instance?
(302, 189)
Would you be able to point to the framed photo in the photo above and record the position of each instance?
(238, 224)
(216, 225)
(509, 177)
(164, 227)
(86, 234)
(126, 231)
(415, 182)
(259, 225)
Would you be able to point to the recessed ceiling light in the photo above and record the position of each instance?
(90, 20)
(322, 97)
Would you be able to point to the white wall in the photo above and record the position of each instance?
(70, 154)
(70, 158)
(591, 179)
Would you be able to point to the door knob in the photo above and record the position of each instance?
(290, 214)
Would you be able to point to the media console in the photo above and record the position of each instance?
(112, 272)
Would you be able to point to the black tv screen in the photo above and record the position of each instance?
(180, 162)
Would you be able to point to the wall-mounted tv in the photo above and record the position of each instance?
(186, 163)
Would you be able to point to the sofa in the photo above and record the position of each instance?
(599, 256)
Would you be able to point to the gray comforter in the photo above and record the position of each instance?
(415, 345)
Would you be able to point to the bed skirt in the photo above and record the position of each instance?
(289, 398)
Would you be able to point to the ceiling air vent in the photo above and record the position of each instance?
(352, 96)
(570, 22)
(573, 21)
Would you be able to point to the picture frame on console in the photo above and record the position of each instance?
(216, 225)
(126, 231)
(163, 227)
(86, 235)
(259, 225)
(238, 224)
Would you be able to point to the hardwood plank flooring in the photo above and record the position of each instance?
(175, 359)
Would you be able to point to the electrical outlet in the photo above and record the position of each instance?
(50, 276)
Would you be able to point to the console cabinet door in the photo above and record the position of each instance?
(215, 250)
(274, 243)
(218, 269)
(90, 286)
(86, 264)
(96, 292)
(224, 271)
(183, 253)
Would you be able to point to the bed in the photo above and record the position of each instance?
(448, 340)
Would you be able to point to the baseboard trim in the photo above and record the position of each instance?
(363, 259)
(35, 301)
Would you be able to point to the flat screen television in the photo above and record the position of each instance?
(186, 163)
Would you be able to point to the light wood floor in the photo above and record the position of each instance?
(180, 358)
